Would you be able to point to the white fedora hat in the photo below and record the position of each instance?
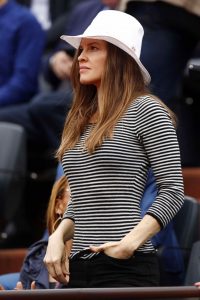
(117, 28)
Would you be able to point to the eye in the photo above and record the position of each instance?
(93, 48)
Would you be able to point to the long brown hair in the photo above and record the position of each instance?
(58, 191)
(122, 82)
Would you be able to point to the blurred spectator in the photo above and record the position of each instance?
(46, 11)
(58, 64)
(33, 268)
(171, 35)
(43, 118)
(22, 40)
(52, 16)
(171, 40)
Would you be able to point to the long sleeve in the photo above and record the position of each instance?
(158, 137)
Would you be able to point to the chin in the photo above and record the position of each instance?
(85, 82)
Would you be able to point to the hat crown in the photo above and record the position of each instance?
(118, 26)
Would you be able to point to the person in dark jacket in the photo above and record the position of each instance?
(22, 40)
(43, 117)
(33, 272)
(52, 15)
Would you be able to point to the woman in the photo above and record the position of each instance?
(33, 273)
(113, 134)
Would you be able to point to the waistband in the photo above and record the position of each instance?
(88, 254)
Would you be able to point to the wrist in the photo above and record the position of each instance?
(127, 248)
(130, 243)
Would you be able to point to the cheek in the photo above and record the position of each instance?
(102, 65)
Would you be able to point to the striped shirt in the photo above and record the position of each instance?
(107, 186)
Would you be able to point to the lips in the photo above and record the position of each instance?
(83, 68)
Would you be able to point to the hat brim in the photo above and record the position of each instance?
(76, 40)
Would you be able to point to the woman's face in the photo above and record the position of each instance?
(92, 60)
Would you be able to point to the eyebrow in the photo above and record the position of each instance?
(91, 43)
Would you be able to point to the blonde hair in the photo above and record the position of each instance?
(122, 82)
(58, 191)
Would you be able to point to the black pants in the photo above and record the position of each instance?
(104, 271)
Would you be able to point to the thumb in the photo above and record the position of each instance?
(33, 285)
(19, 286)
(97, 249)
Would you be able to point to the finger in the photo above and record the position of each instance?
(65, 269)
(51, 270)
(33, 285)
(67, 278)
(19, 286)
(97, 248)
(55, 269)
(56, 273)
(103, 247)
(60, 276)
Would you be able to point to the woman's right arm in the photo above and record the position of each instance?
(55, 258)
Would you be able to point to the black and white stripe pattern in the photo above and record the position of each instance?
(107, 186)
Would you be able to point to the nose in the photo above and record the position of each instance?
(82, 56)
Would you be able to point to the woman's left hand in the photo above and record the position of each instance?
(113, 249)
